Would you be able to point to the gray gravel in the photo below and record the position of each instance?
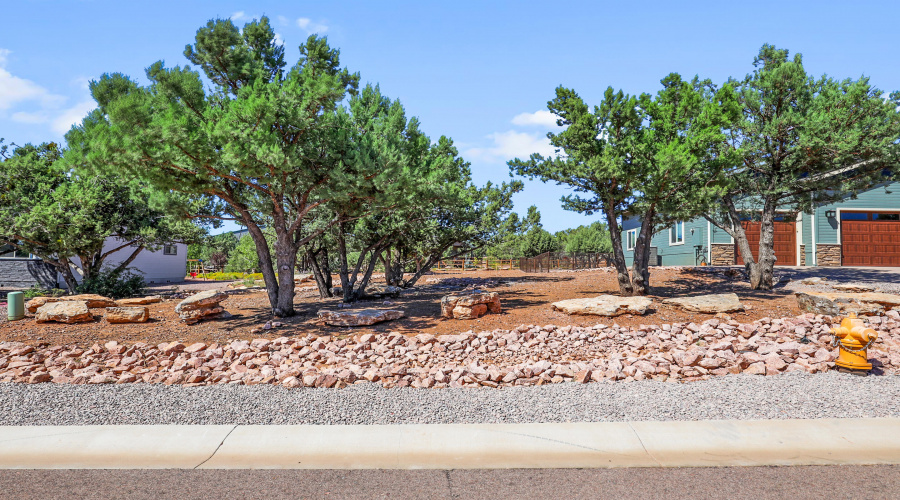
(791, 395)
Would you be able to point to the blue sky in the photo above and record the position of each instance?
(480, 72)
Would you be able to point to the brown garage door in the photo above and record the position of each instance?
(870, 239)
(785, 242)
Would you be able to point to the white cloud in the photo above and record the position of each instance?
(278, 39)
(33, 104)
(29, 118)
(307, 25)
(15, 90)
(283, 21)
(511, 144)
(70, 116)
(237, 16)
(541, 118)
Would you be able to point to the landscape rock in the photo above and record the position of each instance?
(64, 312)
(383, 291)
(139, 301)
(360, 317)
(127, 314)
(604, 305)
(817, 305)
(854, 288)
(201, 306)
(470, 305)
(33, 304)
(93, 301)
(884, 299)
(527, 355)
(815, 280)
(709, 304)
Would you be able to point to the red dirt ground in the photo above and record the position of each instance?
(525, 298)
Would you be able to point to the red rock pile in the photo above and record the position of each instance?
(528, 355)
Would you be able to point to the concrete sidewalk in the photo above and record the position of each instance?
(462, 446)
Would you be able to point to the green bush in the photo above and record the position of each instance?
(36, 291)
(116, 285)
(222, 276)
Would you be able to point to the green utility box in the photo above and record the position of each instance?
(15, 306)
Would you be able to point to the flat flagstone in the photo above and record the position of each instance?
(360, 317)
(604, 305)
(710, 304)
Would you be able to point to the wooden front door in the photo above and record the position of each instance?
(785, 242)
(870, 239)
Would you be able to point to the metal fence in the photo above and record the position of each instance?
(549, 261)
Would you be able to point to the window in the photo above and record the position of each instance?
(9, 252)
(170, 250)
(886, 217)
(630, 239)
(854, 216)
(676, 234)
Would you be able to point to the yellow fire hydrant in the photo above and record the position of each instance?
(853, 340)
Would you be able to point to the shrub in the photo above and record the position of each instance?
(222, 276)
(35, 291)
(116, 285)
(218, 260)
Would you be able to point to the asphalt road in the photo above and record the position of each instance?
(757, 483)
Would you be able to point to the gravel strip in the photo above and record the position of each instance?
(743, 397)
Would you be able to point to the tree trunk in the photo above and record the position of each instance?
(286, 257)
(737, 232)
(344, 271)
(618, 256)
(762, 275)
(321, 271)
(281, 306)
(64, 268)
(127, 262)
(640, 271)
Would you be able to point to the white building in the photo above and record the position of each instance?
(165, 265)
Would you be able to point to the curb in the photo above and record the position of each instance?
(455, 446)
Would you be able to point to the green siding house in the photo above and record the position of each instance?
(853, 232)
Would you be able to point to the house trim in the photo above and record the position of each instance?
(815, 241)
(683, 236)
(635, 231)
(708, 243)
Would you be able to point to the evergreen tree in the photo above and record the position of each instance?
(798, 142)
(268, 145)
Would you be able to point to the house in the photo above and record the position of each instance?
(852, 232)
(165, 265)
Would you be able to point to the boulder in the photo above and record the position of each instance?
(817, 305)
(139, 301)
(884, 299)
(203, 305)
(64, 312)
(854, 288)
(360, 317)
(209, 298)
(302, 278)
(33, 304)
(127, 314)
(93, 301)
(709, 304)
(470, 305)
(604, 305)
(382, 291)
(816, 280)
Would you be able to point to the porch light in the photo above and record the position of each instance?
(830, 214)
